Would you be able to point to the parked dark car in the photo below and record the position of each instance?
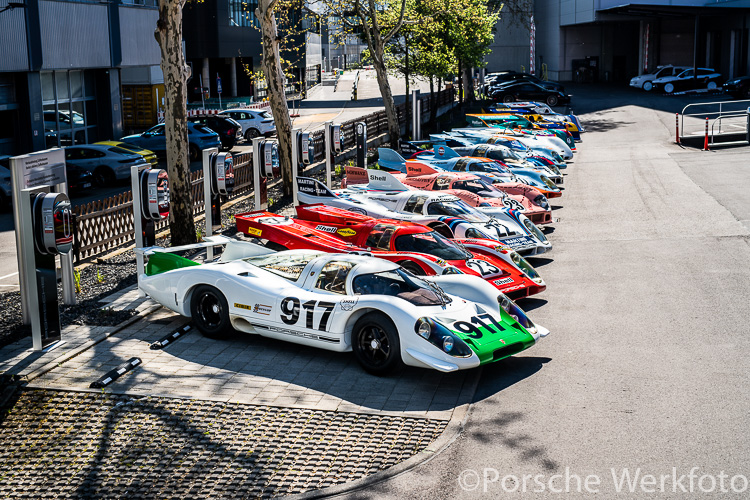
(200, 137)
(705, 78)
(739, 88)
(502, 79)
(229, 130)
(528, 91)
(79, 179)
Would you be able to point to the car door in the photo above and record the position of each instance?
(154, 139)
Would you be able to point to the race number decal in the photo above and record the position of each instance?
(482, 267)
(290, 312)
(471, 329)
(513, 204)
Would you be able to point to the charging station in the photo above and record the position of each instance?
(39, 169)
(333, 139)
(416, 116)
(302, 154)
(49, 216)
(150, 204)
(360, 129)
(265, 166)
(218, 183)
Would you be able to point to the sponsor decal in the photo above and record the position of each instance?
(441, 151)
(262, 309)
(275, 221)
(374, 177)
(440, 262)
(243, 306)
(520, 240)
(254, 232)
(346, 232)
(348, 304)
(327, 229)
(503, 281)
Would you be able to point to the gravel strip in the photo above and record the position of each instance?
(89, 445)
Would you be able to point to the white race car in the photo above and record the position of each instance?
(386, 197)
(343, 302)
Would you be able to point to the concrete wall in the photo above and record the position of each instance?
(511, 46)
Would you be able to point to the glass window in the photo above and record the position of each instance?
(380, 236)
(79, 137)
(398, 283)
(432, 244)
(456, 209)
(91, 112)
(76, 84)
(77, 113)
(242, 13)
(415, 204)
(333, 277)
(286, 266)
(61, 79)
(48, 86)
(89, 83)
(475, 233)
(442, 183)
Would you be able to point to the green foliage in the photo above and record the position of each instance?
(77, 280)
(99, 276)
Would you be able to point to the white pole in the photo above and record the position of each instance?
(140, 267)
(257, 174)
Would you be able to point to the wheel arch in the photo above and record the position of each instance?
(355, 316)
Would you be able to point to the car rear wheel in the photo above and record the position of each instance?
(711, 86)
(375, 344)
(552, 100)
(412, 267)
(648, 86)
(669, 88)
(251, 134)
(508, 98)
(104, 176)
(210, 312)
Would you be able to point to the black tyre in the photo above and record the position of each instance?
(375, 344)
(552, 100)
(711, 85)
(508, 98)
(648, 86)
(210, 312)
(252, 133)
(412, 267)
(669, 88)
(104, 176)
(194, 153)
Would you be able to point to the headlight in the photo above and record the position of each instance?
(441, 337)
(515, 312)
(534, 230)
(504, 303)
(548, 183)
(424, 329)
(452, 270)
(541, 200)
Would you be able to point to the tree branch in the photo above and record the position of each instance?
(398, 25)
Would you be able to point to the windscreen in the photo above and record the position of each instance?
(432, 244)
(401, 284)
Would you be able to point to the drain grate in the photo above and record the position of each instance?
(58, 444)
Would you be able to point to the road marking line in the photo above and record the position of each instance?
(8, 275)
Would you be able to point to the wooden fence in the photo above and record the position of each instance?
(105, 225)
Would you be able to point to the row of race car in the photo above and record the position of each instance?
(414, 262)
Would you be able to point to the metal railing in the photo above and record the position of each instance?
(721, 114)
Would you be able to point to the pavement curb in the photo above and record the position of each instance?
(87, 345)
(454, 429)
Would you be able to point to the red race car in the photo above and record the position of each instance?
(417, 248)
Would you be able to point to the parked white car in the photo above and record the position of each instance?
(254, 122)
(645, 82)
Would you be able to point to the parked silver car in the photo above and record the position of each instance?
(255, 122)
(107, 163)
(645, 81)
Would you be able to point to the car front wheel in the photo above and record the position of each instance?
(648, 86)
(711, 85)
(376, 344)
(508, 98)
(210, 312)
(552, 100)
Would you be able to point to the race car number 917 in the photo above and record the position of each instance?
(290, 312)
(471, 329)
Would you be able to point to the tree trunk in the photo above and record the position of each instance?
(468, 85)
(378, 62)
(271, 63)
(169, 36)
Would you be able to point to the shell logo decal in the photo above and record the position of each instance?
(346, 232)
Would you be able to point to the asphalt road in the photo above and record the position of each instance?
(646, 369)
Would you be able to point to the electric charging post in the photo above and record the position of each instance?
(42, 168)
(416, 121)
(329, 157)
(150, 188)
(361, 131)
(208, 205)
(296, 161)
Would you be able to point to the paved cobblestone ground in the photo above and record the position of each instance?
(88, 445)
(252, 369)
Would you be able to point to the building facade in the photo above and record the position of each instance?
(611, 40)
(61, 70)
